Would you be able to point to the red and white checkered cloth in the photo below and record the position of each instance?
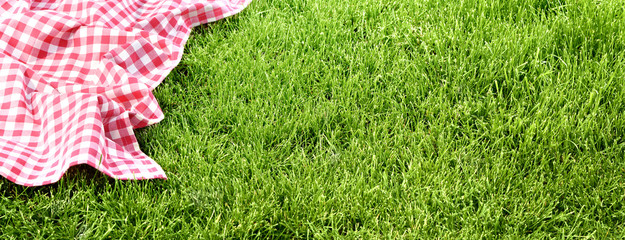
(76, 77)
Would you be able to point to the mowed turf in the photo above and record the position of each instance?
(371, 119)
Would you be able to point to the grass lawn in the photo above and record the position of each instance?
(371, 119)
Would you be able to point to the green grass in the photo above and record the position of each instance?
(372, 119)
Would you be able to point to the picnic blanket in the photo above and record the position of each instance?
(76, 77)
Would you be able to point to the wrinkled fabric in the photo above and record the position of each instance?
(76, 77)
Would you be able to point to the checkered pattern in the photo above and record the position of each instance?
(76, 77)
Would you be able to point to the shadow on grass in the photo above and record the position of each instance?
(77, 178)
